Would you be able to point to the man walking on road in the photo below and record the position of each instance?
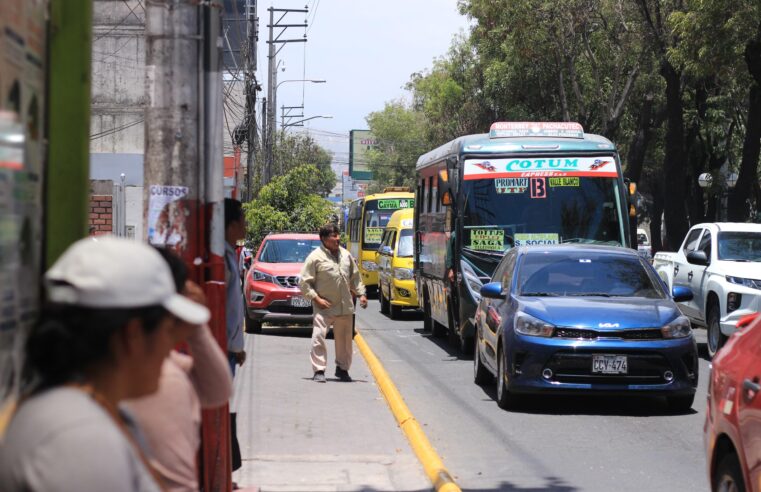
(330, 279)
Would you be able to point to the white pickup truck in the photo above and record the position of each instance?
(721, 264)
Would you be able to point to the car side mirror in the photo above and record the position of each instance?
(681, 293)
(492, 290)
(698, 258)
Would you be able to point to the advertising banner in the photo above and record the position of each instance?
(360, 143)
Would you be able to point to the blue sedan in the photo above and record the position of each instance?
(584, 319)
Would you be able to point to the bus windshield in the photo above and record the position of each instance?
(377, 214)
(499, 213)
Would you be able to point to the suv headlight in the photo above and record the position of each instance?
(260, 276)
(471, 280)
(370, 266)
(745, 282)
(403, 274)
(679, 328)
(525, 324)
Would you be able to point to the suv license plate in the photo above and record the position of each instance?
(609, 364)
(299, 301)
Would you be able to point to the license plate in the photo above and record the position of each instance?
(299, 301)
(610, 364)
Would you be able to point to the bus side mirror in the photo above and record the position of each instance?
(445, 188)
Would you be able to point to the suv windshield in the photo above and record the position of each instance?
(586, 273)
(739, 246)
(287, 250)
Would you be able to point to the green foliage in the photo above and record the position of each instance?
(400, 132)
(293, 150)
(288, 203)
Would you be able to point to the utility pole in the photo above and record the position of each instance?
(183, 198)
(251, 88)
(272, 79)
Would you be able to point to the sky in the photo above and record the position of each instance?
(365, 50)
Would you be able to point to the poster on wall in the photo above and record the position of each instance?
(23, 45)
(167, 216)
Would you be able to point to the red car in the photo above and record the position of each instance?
(271, 289)
(732, 431)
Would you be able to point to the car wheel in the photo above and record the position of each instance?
(715, 338)
(427, 320)
(383, 302)
(505, 400)
(394, 311)
(481, 374)
(253, 325)
(728, 476)
(680, 404)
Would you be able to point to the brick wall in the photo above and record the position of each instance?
(101, 215)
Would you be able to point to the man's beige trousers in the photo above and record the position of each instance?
(343, 342)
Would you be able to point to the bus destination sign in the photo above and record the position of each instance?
(562, 129)
(395, 203)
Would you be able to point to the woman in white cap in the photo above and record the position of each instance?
(102, 338)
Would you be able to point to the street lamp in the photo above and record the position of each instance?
(300, 122)
(728, 182)
(314, 81)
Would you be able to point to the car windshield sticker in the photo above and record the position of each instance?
(511, 185)
(554, 182)
(373, 235)
(393, 204)
(549, 167)
(536, 239)
(487, 239)
(538, 188)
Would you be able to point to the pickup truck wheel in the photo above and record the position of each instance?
(715, 338)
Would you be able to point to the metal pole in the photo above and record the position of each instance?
(272, 72)
(265, 133)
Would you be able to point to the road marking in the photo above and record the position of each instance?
(432, 463)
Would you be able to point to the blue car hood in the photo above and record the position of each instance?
(601, 313)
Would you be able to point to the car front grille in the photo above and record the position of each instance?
(586, 334)
(574, 367)
(289, 282)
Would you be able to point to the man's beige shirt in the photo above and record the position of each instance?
(334, 278)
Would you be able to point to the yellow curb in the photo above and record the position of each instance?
(432, 464)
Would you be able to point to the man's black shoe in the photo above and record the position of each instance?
(319, 376)
(343, 375)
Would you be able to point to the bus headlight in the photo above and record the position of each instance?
(403, 274)
(471, 280)
(369, 266)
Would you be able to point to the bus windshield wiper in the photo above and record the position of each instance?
(482, 252)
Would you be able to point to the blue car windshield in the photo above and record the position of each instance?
(287, 250)
(586, 273)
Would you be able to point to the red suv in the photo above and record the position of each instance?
(732, 431)
(271, 288)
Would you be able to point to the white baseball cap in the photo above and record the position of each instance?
(118, 273)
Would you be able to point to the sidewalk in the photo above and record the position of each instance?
(298, 435)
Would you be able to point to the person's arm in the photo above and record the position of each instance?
(356, 283)
(211, 371)
(306, 284)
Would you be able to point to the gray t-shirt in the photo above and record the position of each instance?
(62, 440)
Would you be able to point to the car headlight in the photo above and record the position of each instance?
(745, 282)
(370, 266)
(403, 274)
(262, 277)
(679, 328)
(471, 280)
(525, 324)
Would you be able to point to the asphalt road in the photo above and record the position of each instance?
(553, 443)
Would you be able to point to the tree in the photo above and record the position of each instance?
(400, 132)
(293, 150)
(288, 203)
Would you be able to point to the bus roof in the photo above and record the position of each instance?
(482, 144)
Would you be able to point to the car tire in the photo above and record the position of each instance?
(253, 325)
(481, 375)
(427, 319)
(728, 475)
(505, 400)
(394, 312)
(680, 404)
(383, 302)
(715, 339)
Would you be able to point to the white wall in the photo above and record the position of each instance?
(134, 215)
